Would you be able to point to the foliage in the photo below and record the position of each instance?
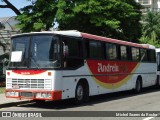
(38, 16)
(147, 40)
(152, 24)
(2, 26)
(151, 28)
(111, 18)
(4, 57)
(2, 89)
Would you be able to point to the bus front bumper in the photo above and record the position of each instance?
(34, 94)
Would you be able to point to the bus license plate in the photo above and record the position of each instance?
(27, 94)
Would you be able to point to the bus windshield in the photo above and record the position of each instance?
(36, 51)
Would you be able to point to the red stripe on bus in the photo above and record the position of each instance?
(28, 72)
(110, 71)
(89, 36)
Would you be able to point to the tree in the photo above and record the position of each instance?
(9, 5)
(38, 16)
(3, 45)
(131, 23)
(151, 28)
(2, 26)
(4, 57)
(111, 18)
(147, 40)
(151, 24)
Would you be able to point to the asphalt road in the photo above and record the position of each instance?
(99, 107)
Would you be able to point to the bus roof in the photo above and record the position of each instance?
(75, 33)
(85, 35)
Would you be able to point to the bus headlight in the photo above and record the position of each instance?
(12, 94)
(43, 95)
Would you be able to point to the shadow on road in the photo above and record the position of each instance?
(65, 104)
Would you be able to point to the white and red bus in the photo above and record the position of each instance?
(158, 65)
(69, 64)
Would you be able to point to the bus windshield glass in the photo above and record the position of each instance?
(37, 51)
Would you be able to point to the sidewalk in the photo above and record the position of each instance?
(7, 102)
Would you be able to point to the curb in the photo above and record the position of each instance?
(4, 105)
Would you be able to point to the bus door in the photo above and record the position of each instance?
(72, 61)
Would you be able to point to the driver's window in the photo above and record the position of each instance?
(73, 52)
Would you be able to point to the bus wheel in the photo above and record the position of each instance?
(158, 81)
(138, 86)
(39, 102)
(79, 93)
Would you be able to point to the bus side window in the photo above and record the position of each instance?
(123, 51)
(152, 56)
(144, 55)
(111, 51)
(94, 49)
(135, 54)
(65, 50)
(158, 61)
(73, 52)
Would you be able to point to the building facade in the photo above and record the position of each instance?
(7, 28)
(150, 5)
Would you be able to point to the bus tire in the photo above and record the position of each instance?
(158, 81)
(39, 102)
(138, 86)
(81, 93)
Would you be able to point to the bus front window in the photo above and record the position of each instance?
(38, 51)
(20, 44)
(45, 52)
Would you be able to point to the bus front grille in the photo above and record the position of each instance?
(32, 83)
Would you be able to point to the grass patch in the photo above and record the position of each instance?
(2, 90)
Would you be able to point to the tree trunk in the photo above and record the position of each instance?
(12, 7)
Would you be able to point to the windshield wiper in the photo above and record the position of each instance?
(35, 63)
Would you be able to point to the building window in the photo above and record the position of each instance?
(144, 1)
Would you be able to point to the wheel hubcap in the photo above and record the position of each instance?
(80, 92)
(138, 86)
(159, 82)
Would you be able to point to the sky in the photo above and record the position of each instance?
(5, 12)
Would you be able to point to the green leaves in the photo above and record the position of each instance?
(151, 28)
(38, 16)
(111, 18)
